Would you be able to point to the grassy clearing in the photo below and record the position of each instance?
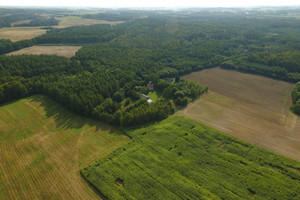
(20, 33)
(252, 108)
(79, 21)
(67, 51)
(153, 95)
(182, 159)
(43, 147)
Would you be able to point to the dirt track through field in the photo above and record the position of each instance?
(43, 147)
(252, 108)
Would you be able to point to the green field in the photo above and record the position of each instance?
(43, 147)
(182, 159)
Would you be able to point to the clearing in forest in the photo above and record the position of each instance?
(21, 33)
(43, 147)
(250, 107)
(67, 51)
(79, 21)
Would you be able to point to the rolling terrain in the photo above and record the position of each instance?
(252, 108)
(43, 147)
(179, 158)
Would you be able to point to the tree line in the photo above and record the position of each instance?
(106, 77)
(296, 99)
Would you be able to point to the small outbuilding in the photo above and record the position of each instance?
(149, 101)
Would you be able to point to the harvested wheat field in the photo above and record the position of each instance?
(20, 33)
(79, 21)
(67, 51)
(43, 147)
(250, 107)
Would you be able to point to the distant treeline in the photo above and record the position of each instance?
(40, 22)
(268, 47)
(7, 46)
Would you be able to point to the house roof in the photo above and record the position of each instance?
(150, 86)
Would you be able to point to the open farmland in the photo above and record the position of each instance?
(20, 33)
(43, 147)
(252, 108)
(67, 51)
(20, 22)
(178, 158)
(79, 21)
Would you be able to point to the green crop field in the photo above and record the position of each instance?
(43, 147)
(182, 159)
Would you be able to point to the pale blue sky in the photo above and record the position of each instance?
(148, 3)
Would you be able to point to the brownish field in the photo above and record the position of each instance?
(78, 21)
(252, 108)
(67, 51)
(24, 33)
(20, 33)
(43, 147)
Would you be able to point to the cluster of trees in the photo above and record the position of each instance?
(27, 74)
(110, 95)
(181, 91)
(41, 22)
(296, 99)
(276, 72)
(7, 46)
(80, 34)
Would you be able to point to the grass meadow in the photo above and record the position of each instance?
(182, 159)
(43, 147)
(79, 21)
(20, 33)
(67, 51)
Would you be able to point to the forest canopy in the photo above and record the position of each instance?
(116, 64)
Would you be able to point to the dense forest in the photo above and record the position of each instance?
(107, 76)
(110, 95)
(40, 22)
(296, 99)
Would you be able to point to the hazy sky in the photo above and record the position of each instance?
(149, 3)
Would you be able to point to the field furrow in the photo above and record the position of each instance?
(250, 107)
(42, 153)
